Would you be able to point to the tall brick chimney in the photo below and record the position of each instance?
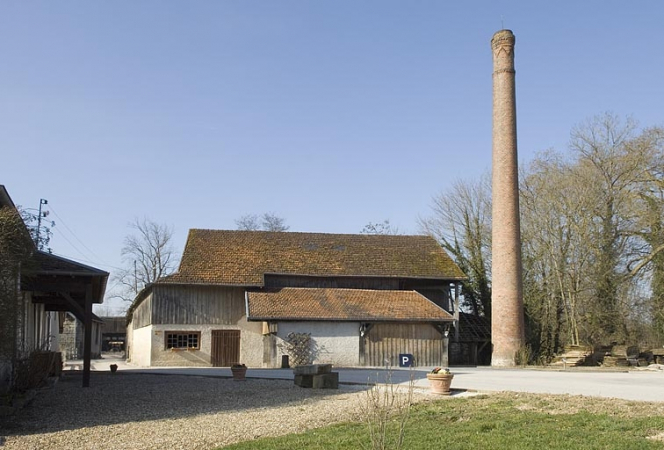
(507, 328)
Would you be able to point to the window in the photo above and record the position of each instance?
(183, 340)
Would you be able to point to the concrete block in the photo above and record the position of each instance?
(326, 381)
(305, 381)
(312, 369)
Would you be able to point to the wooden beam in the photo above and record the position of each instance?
(56, 285)
(87, 340)
(76, 308)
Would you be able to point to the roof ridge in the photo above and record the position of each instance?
(310, 233)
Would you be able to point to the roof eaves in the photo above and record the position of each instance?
(91, 270)
(5, 199)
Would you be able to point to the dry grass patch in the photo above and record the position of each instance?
(573, 404)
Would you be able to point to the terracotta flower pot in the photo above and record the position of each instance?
(440, 382)
(239, 373)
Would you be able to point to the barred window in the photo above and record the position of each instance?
(183, 340)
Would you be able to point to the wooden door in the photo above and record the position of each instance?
(225, 348)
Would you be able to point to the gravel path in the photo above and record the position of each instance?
(136, 411)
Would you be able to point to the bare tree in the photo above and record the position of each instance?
(612, 165)
(266, 222)
(592, 235)
(384, 227)
(646, 262)
(592, 224)
(461, 222)
(556, 231)
(148, 255)
(40, 230)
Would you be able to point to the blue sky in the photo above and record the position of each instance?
(330, 114)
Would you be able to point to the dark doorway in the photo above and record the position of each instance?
(225, 347)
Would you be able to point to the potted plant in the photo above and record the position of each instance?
(440, 380)
(239, 371)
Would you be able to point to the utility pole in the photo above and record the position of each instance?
(39, 219)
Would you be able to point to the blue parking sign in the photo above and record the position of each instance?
(405, 360)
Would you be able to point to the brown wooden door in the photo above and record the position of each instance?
(225, 348)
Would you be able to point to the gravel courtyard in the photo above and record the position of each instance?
(139, 411)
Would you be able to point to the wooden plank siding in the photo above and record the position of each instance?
(142, 316)
(114, 325)
(385, 341)
(197, 305)
(279, 281)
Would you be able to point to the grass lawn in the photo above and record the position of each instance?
(501, 421)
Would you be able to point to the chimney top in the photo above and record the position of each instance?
(502, 37)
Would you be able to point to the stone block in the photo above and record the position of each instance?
(305, 381)
(326, 381)
(312, 369)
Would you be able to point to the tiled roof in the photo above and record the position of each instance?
(342, 304)
(243, 257)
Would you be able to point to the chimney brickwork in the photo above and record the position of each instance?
(507, 322)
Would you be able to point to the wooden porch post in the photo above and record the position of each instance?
(87, 339)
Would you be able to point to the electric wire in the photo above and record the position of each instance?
(76, 258)
(74, 234)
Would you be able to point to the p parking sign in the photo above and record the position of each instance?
(405, 360)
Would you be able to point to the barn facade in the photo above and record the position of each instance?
(240, 296)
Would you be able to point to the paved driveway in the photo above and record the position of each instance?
(644, 385)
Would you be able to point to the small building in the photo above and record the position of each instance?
(113, 334)
(470, 343)
(72, 337)
(36, 289)
(238, 296)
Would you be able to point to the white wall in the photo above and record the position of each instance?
(141, 346)
(129, 343)
(338, 343)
